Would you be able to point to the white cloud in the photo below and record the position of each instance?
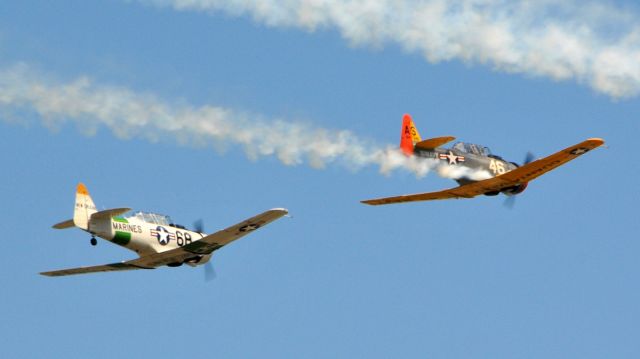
(593, 43)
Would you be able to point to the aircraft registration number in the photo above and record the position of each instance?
(497, 167)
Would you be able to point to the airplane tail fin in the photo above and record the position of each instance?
(409, 135)
(84, 207)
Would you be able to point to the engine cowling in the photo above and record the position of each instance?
(198, 260)
(194, 260)
(514, 190)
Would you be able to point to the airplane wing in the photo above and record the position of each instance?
(94, 269)
(210, 243)
(517, 176)
(203, 246)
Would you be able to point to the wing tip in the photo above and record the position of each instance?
(597, 140)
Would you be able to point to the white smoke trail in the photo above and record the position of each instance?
(594, 43)
(134, 115)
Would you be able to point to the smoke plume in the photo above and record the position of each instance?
(596, 44)
(128, 114)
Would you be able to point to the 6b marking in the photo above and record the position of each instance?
(183, 238)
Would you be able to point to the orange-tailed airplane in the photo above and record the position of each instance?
(506, 177)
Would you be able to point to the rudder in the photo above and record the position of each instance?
(409, 135)
(84, 207)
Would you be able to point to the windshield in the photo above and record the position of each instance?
(472, 148)
(152, 218)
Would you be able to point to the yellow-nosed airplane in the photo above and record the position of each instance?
(155, 238)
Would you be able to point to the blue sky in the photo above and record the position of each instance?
(111, 93)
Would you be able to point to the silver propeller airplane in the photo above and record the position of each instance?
(153, 237)
(505, 177)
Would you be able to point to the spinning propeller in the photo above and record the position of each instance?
(528, 158)
(209, 272)
(510, 201)
(198, 226)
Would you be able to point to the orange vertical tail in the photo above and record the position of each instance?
(409, 135)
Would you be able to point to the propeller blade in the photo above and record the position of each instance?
(209, 272)
(198, 226)
(529, 157)
(509, 202)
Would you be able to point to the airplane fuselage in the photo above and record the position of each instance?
(140, 236)
(494, 165)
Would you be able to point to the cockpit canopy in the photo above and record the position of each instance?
(472, 148)
(154, 218)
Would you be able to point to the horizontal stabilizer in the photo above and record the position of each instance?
(108, 213)
(434, 142)
(66, 224)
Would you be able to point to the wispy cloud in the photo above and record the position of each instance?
(593, 43)
(128, 114)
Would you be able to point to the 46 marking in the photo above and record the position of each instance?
(497, 167)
